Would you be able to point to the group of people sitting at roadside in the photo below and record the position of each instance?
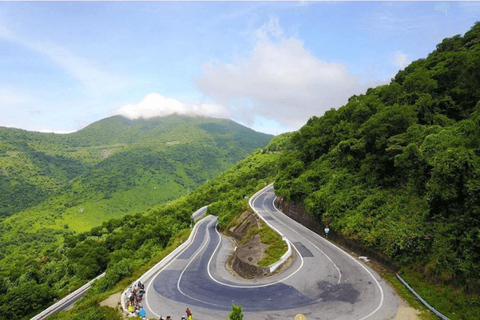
(135, 298)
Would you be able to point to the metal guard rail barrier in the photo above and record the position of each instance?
(421, 299)
(159, 265)
(65, 301)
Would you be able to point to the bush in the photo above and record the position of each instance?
(236, 313)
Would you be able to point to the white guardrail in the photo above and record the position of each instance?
(61, 304)
(421, 299)
(75, 295)
(287, 254)
(159, 266)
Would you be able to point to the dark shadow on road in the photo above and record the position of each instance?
(337, 292)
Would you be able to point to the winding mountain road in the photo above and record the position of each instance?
(323, 282)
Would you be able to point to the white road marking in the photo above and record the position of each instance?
(151, 281)
(334, 264)
(208, 239)
(373, 277)
(247, 286)
(188, 264)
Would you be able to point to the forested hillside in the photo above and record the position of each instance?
(122, 246)
(162, 158)
(398, 168)
(54, 186)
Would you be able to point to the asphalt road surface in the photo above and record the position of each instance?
(323, 282)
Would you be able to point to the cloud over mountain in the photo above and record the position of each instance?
(155, 105)
(279, 79)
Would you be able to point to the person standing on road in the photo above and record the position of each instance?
(189, 314)
(131, 298)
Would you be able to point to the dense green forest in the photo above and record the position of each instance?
(66, 184)
(170, 155)
(113, 167)
(121, 246)
(398, 168)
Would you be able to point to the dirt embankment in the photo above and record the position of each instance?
(249, 248)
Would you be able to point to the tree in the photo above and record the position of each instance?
(25, 299)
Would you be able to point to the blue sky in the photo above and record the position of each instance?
(268, 65)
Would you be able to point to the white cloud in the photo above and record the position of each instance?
(85, 71)
(155, 105)
(270, 28)
(54, 131)
(90, 74)
(279, 80)
(400, 59)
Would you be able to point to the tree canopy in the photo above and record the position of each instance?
(398, 168)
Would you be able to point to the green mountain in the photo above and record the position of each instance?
(398, 168)
(117, 165)
(38, 265)
(127, 247)
(55, 185)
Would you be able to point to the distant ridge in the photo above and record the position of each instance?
(119, 154)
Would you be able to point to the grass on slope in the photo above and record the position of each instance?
(276, 246)
(109, 156)
(131, 243)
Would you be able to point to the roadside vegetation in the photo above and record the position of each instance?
(88, 308)
(398, 170)
(124, 247)
(246, 227)
(276, 246)
(56, 246)
(236, 313)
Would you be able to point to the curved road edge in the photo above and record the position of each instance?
(66, 301)
(70, 299)
(287, 254)
(165, 261)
